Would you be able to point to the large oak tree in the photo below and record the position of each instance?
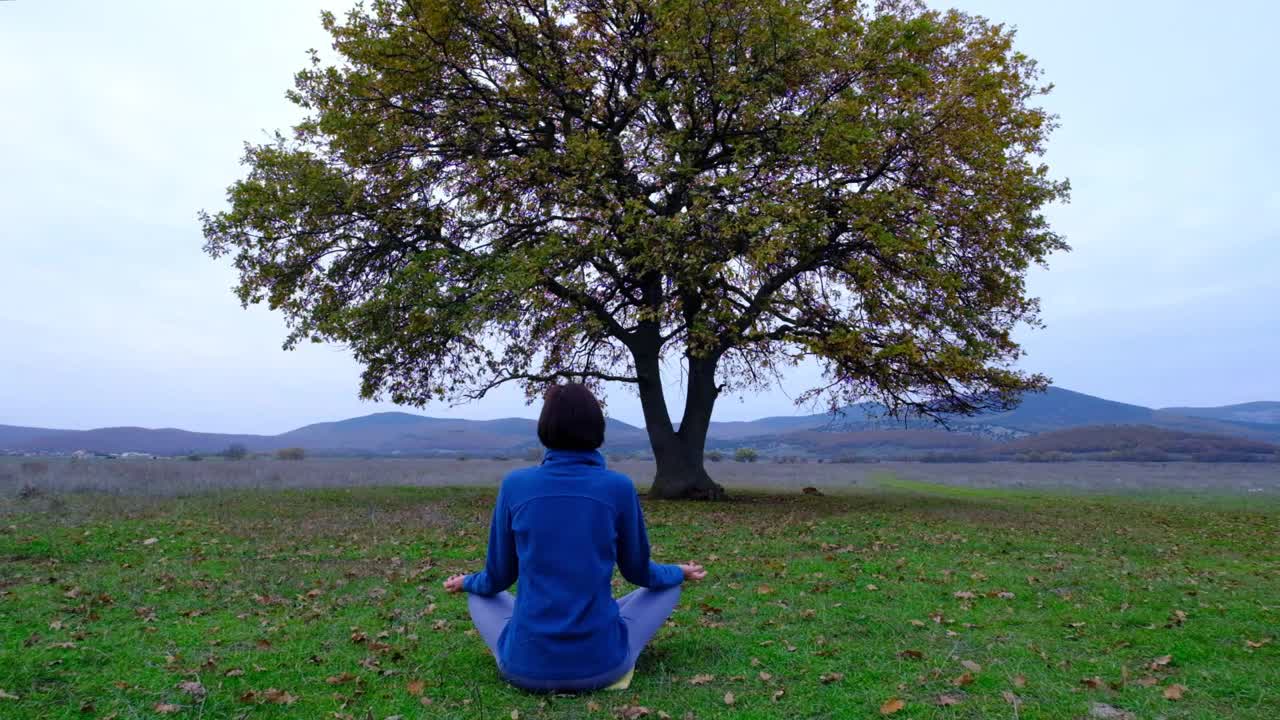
(485, 191)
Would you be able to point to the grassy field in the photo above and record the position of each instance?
(180, 477)
(900, 597)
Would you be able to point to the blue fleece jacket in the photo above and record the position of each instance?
(560, 527)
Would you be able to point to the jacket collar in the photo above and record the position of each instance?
(573, 457)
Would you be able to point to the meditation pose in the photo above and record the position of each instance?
(559, 528)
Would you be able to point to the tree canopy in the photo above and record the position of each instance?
(487, 191)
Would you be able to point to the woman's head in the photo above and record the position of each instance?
(571, 419)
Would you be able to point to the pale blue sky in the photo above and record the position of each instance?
(119, 120)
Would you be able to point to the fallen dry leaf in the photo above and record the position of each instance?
(234, 672)
(891, 706)
(4, 695)
(765, 677)
(166, 708)
(701, 679)
(1103, 711)
(971, 666)
(1255, 644)
(630, 712)
(192, 688)
(1019, 680)
(1162, 661)
(593, 706)
(764, 590)
(1010, 698)
(777, 695)
(911, 655)
(1147, 681)
(278, 697)
(1174, 692)
(153, 541)
(415, 687)
(515, 715)
(828, 678)
(1093, 683)
(946, 699)
(728, 698)
(962, 680)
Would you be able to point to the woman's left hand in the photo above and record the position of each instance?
(454, 583)
(692, 571)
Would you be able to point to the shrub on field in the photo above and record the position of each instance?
(746, 454)
(195, 457)
(235, 451)
(293, 453)
(29, 492)
(715, 456)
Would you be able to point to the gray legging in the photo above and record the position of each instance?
(643, 611)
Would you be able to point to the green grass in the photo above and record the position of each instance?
(333, 597)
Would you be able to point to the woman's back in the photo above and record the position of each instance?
(559, 528)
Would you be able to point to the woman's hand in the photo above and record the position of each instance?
(454, 583)
(692, 571)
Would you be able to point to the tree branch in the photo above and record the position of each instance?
(546, 378)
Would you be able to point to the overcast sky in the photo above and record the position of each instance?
(120, 120)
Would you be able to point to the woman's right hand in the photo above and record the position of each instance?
(692, 571)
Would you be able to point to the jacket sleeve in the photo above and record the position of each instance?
(633, 551)
(502, 566)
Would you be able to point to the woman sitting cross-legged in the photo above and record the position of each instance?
(560, 527)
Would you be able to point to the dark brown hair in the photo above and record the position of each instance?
(571, 418)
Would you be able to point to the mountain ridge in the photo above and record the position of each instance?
(402, 433)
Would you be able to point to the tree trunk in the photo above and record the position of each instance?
(679, 455)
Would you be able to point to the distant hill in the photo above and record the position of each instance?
(1259, 413)
(1057, 408)
(1137, 442)
(869, 443)
(859, 429)
(1054, 409)
(391, 433)
(166, 441)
